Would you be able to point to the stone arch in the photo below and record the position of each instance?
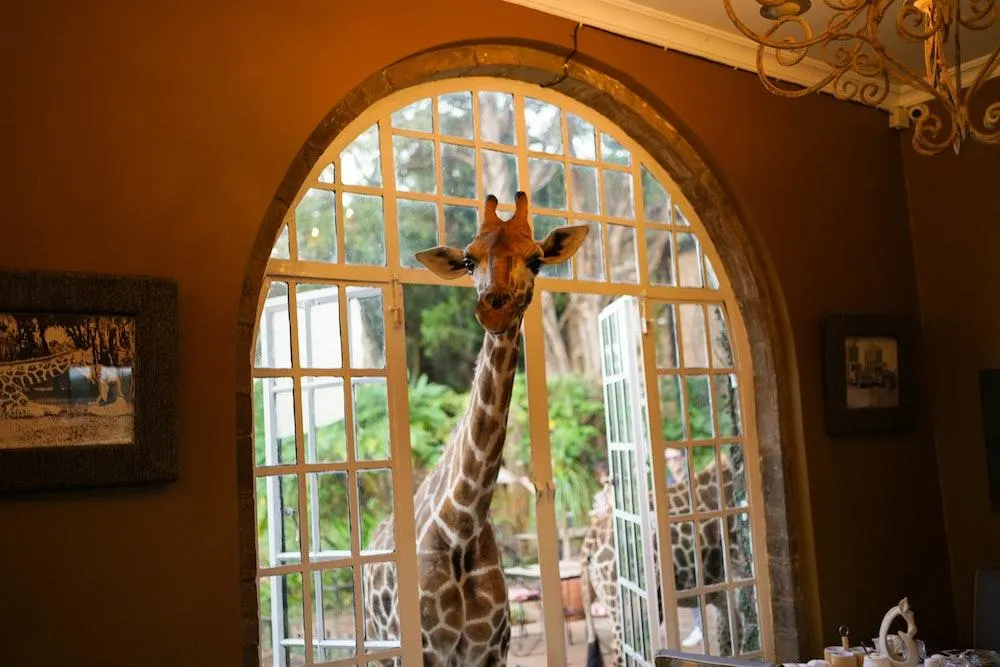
(651, 124)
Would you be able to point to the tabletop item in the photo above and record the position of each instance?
(909, 656)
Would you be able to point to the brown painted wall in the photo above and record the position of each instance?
(954, 213)
(150, 138)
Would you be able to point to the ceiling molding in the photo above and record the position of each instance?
(676, 33)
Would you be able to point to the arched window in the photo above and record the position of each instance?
(634, 357)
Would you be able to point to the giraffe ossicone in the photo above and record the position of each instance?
(464, 616)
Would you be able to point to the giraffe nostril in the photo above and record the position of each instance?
(496, 300)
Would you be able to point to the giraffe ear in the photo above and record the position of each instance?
(446, 262)
(560, 244)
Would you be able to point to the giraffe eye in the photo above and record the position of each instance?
(469, 264)
(535, 264)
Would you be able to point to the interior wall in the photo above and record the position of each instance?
(150, 139)
(954, 210)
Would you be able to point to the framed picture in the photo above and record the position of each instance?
(868, 365)
(88, 381)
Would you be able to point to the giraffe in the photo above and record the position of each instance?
(597, 553)
(16, 377)
(464, 614)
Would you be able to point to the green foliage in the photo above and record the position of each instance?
(576, 439)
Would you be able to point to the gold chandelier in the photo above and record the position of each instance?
(863, 69)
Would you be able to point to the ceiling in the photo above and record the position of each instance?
(702, 28)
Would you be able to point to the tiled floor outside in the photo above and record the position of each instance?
(528, 647)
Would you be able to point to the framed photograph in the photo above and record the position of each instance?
(88, 381)
(868, 365)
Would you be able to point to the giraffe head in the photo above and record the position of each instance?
(503, 260)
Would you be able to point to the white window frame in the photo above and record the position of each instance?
(393, 275)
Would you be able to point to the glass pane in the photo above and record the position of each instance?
(671, 408)
(455, 114)
(461, 223)
(747, 635)
(678, 488)
(706, 488)
(417, 229)
(366, 320)
(278, 520)
(364, 229)
(333, 597)
(584, 187)
(316, 225)
(329, 509)
(734, 487)
(699, 407)
(619, 200)
(375, 506)
(458, 171)
(274, 335)
(319, 325)
(581, 138)
(624, 261)
(689, 260)
(328, 175)
(666, 335)
(324, 431)
(679, 218)
(722, 351)
(414, 164)
(685, 562)
(281, 610)
(740, 546)
(727, 405)
(416, 116)
(500, 175)
(273, 421)
(614, 152)
(543, 125)
(718, 636)
(660, 256)
(360, 163)
(381, 607)
(689, 623)
(543, 224)
(590, 257)
(496, 118)
(711, 279)
(712, 561)
(655, 200)
(693, 335)
(548, 183)
(371, 418)
(280, 249)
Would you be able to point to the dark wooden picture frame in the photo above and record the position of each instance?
(93, 303)
(879, 382)
(989, 396)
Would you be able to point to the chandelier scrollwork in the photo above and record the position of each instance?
(862, 67)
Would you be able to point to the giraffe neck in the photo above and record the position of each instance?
(32, 371)
(471, 462)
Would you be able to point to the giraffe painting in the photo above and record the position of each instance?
(464, 614)
(65, 379)
(598, 568)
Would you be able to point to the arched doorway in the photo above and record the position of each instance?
(412, 171)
